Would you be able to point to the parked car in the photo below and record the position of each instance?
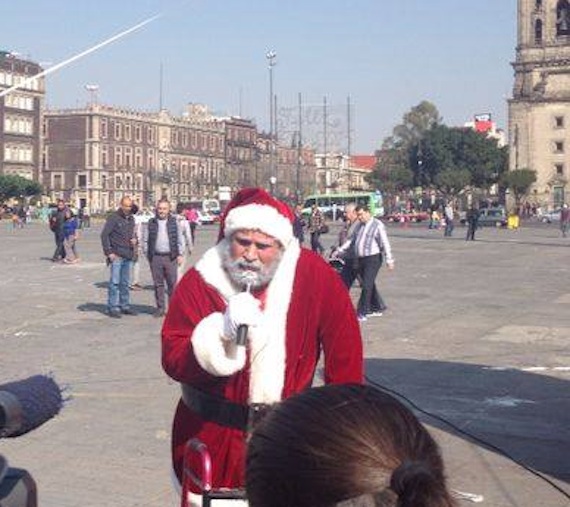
(205, 218)
(145, 216)
(550, 216)
(495, 217)
(407, 216)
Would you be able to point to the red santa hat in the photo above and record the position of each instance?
(254, 208)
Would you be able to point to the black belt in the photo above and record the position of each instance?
(223, 412)
(162, 253)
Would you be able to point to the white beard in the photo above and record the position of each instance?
(253, 274)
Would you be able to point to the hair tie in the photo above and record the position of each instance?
(407, 473)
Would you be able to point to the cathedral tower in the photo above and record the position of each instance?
(539, 112)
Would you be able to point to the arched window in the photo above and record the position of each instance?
(563, 18)
(538, 31)
(538, 5)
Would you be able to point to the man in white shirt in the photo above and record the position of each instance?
(371, 246)
(163, 247)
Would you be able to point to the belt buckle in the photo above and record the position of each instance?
(256, 412)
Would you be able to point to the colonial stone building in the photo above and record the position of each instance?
(253, 159)
(539, 112)
(95, 155)
(20, 117)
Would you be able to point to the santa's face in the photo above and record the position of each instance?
(252, 258)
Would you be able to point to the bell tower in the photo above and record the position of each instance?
(539, 112)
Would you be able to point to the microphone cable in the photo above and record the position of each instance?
(470, 436)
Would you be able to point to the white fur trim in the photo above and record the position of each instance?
(217, 356)
(261, 217)
(210, 266)
(267, 341)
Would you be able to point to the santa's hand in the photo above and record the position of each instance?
(243, 309)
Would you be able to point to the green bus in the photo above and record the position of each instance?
(332, 205)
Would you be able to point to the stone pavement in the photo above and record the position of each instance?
(476, 333)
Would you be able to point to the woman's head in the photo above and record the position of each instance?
(344, 445)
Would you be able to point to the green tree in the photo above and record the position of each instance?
(415, 123)
(13, 186)
(450, 182)
(458, 149)
(394, 172)
(519, 182)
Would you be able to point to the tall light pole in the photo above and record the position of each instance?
(271, 56)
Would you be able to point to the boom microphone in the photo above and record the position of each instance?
(27, 404)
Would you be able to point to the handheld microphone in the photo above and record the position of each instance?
(27, 404)
(241, 335)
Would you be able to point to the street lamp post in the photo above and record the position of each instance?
(272, 182)
(271, 56)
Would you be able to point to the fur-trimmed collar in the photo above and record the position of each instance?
(267, 342)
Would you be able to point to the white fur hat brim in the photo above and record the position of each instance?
(260, 217)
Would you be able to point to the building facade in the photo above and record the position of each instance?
(96, 155)
(539, 112)
(340, 173)
(20, 117)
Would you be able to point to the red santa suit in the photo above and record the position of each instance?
(305, 310)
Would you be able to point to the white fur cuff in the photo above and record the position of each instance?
(214, 354)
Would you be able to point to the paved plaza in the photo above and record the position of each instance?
(476, 333)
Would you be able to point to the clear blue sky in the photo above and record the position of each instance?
(387, 55)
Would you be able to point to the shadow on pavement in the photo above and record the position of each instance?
(526, 415)
(105, 285)
(102, 308)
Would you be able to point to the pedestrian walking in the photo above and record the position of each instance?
(316, 228)
(449, 216)
(56, 221)
(299, 224)
(119, 246)
(193, 219)
(565, 220)
(163, 247)
(472, 219)
(70, 233)
(371, 247)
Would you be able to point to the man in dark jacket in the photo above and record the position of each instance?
(472, 223)
(56, 221)
(119, 242)
(163, 246)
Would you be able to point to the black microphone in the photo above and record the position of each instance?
(28, 403)
(241, 334)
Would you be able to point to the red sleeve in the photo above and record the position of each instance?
(192, 301)
(338, 329)
(340, 335)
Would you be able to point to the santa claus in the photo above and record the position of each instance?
(293, 304)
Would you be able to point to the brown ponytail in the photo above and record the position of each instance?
(417, 484)
(349, 445)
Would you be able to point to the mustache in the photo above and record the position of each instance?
(255, 266)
